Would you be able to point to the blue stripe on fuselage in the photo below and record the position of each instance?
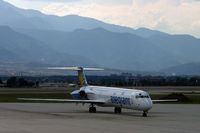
(120, 100)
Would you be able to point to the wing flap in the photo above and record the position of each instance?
(64, 100)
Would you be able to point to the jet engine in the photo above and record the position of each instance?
(83, 94)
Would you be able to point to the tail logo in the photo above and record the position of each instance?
(82, 79)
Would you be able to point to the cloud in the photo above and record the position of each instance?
(103, 2)
(53, 0)
(172, 16)
(112, 2)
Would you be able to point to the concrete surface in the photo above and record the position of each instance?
(72, 118)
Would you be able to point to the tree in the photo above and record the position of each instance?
(22, 82)
(12, 82)
(37, 84)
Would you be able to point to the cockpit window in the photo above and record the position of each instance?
(142, 96)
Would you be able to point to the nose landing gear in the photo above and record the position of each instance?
(144, 114)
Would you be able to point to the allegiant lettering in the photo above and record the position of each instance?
(120, 100)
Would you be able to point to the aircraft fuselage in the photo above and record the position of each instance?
(116, 97)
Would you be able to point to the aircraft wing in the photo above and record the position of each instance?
(64, 100)
(165, 100)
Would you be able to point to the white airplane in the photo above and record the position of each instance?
(106, 96)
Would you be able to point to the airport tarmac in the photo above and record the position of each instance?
(72, 118)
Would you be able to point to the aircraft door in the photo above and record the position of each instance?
(134, 101)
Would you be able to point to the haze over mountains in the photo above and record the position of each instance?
(109, 49)
(22, 48)
(28, 36)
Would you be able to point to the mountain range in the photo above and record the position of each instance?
(28, 36)
(184, 69)
(19, 48)
(110, 49)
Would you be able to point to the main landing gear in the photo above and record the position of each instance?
(118, 110)
(92, 109)
(144, 114)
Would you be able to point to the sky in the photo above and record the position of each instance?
(171, 16)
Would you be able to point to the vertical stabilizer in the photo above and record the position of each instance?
(82, 78)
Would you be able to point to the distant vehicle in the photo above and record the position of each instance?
(106, 96)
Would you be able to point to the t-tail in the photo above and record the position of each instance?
(81, 74)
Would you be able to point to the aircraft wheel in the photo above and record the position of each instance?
(118, 110)
(144, 114)
(92, 109)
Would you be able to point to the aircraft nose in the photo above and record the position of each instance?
(148, 104)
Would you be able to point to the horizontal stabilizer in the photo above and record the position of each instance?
(76, 68)
(64, 100)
